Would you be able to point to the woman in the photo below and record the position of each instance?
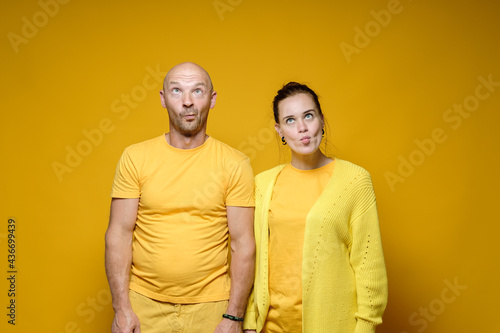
(320, 265)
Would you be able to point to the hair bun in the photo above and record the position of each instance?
(292, 84)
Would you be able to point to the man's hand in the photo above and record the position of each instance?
(126, 322)
(228, 326)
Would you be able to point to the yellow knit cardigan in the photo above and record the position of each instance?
(344, 281)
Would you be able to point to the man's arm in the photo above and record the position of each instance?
(240, 223)
(118, 261)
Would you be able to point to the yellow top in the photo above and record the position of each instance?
(293, 196)
(180, 244)
(344, 281)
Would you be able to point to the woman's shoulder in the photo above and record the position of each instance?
(351, 173)
(269, 174)
(350, 167)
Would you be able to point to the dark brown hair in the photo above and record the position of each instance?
(292, 89)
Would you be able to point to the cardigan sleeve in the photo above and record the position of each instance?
(250, 321)
(251, 313)
(367, 260)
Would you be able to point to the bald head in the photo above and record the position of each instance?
(188, 96)
(188, 71)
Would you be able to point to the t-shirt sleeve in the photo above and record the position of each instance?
(126, 183)
(240, 187)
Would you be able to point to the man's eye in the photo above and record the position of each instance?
(198, 91)
(175, 90)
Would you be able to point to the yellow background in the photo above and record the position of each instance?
(74, 73)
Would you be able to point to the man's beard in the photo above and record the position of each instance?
(189, 128)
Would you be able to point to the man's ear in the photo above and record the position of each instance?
(162, 97)
(212, 99)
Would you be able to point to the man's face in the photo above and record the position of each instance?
(187, 96)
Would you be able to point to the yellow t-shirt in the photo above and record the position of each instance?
(180, 244)
(294, 194)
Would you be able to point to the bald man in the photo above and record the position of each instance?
(175, 201)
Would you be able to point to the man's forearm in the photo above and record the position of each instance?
(242, 275)
(118, 262)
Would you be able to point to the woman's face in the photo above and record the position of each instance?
(300, 123)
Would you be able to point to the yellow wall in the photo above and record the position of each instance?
(84, 76)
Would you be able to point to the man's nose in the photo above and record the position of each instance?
(187, 101)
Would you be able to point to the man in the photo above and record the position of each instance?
(175, 200)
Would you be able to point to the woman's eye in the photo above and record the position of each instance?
(308, 116)
(289, 121)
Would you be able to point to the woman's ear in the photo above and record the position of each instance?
(278, 129)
